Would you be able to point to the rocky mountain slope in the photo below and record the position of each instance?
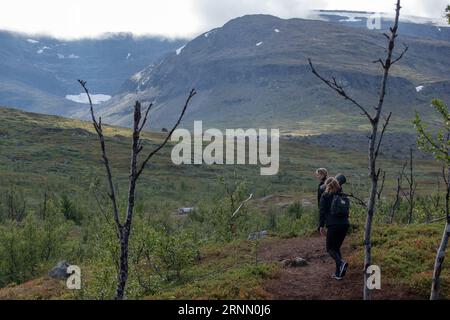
(253, 72)
(37, 73)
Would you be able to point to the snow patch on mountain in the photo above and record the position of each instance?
(137, 77)
(277, 30)
(83, 98)
(70, 56)
(210, 33)
(41, 50)
(32, 41)
(179, 50)
(259, 43)
(419, 88)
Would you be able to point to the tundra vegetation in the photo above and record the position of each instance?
(55, 204)
(54, 207)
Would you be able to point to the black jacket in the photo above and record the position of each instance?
(326, 219)
(320, 190)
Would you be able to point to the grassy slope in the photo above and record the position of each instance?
(38, 151)
(406, 255)
(63, 154)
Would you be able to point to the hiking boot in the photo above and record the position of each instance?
(335, 277)
(343, 269)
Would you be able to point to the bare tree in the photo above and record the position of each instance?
(376, 136)
(438, 144)
(432, 203)
(123, 229)
(359, 201)
(412, 186)
(380, 190)
(396, 204)
(44, 204)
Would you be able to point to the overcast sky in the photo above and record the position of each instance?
(172, 18)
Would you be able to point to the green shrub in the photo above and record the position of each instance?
(406, 254)
(32, 246)
(69, 210)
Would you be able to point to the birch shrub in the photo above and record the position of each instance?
(30, 247)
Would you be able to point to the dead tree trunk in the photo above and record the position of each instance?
(412, 186)
(396, 204)
(380, 191)
(435, 286)
(376, 136)
(44, 206)
(123, 230)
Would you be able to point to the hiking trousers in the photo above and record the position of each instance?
(335, 237)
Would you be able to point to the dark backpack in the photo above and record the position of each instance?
(340, 206)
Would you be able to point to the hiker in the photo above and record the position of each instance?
(340, 178)
(321, 175)
(334, 212)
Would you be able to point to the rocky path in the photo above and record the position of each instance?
(313, 281)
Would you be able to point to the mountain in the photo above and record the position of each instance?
(253, 72)
(37, 73)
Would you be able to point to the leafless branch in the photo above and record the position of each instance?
(380, 191)
(381, 62)
(359, 200)
(394, 207)
(444, 175)
(438, 219)
(99, 130)
(405, 49)
(340, 90)
(241, 205)
(145, 117)
(151, 154)
(386, 123)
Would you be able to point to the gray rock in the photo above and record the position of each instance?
(60, 270)
(258, 235)
(294, 263)
(184, 211)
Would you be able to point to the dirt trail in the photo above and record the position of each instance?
(314, 281)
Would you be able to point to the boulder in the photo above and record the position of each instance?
(60, 270)
(294, 263)
(258, 235)
(185, 211)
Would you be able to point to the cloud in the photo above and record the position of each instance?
(171, 18)
(423, 8)
(86, 18)
(216, 13)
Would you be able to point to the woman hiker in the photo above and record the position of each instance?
(321, 175)
(334, 210)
